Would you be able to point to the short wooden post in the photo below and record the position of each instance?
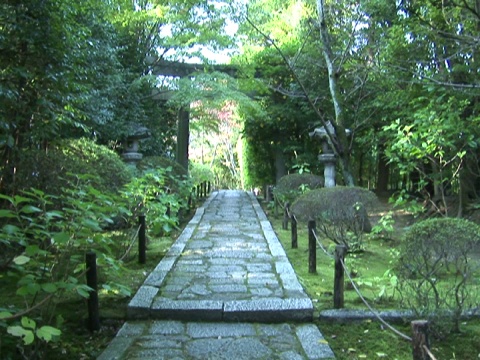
(269, 190)
(420, 340)
(142, 241)
(294, 233)
(209, 187)
(339, 280)
(286, 216)
(93, 313)
(189, 204)
(312, 247)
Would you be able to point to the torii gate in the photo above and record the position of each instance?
(178, 69)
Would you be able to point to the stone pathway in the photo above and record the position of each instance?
(224, 290)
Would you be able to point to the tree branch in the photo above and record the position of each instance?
(295, 75)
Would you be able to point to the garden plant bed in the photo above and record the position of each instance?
(356, 334)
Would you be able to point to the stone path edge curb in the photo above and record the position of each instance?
(344, 316)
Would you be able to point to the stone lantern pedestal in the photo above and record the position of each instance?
(329, 168)
(327, 157)
(131, 155)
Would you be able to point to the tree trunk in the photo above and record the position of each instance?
(183, 137)
(280, 168)
(383, 171)
(340, 140)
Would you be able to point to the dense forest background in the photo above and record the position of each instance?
(404, 76)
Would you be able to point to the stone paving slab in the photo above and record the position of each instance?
(228, 265)
(165, 339)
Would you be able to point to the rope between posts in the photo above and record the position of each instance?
(321, 246)
(374, 312)
(131, 244)
(292, 216)
(429, 353)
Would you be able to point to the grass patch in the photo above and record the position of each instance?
(370, 269)
(372, 273)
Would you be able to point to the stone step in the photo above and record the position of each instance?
(266, 310)
(216, 340)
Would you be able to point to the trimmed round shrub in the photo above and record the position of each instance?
(78, 161)
(341, 213)
(438, 270)
(291, 186)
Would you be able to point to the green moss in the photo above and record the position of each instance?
(371, 270)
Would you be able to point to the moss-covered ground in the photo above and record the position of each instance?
(372, 271)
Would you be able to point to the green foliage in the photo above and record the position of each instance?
(43, 251)
(435, 142)
(174, 173)
(159, 194)
(404, 200)
(43, 245)
(258, 165)
(289, 187)
(248, 182)
(70, 69)
(28, 331)
(438, 270)
(341, 213)
(385, 226)
(70, 160)
(201, 173)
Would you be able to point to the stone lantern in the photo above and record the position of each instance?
(131, 155)
(327, 157)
